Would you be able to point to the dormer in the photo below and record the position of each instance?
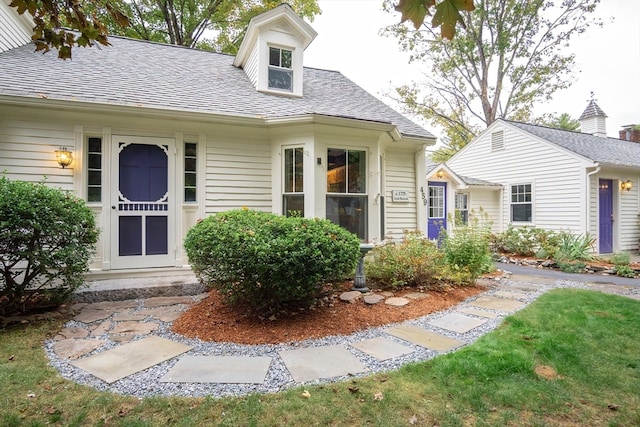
(272, 50)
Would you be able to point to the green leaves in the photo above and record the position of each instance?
(446, 16)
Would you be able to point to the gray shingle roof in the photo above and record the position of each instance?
(592, 110)
(609, 151)
(474, 181)
(145, 74)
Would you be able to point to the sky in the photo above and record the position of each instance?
(607, 59)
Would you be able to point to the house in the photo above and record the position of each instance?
(528, 175)
(161, 136)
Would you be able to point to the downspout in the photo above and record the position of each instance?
(588, 200)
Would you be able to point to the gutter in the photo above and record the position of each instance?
(588, 200)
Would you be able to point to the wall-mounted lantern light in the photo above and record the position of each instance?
(64, 157)
(440, 174)
(626, 185)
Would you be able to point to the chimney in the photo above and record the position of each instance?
(593, 120)
(630, 133)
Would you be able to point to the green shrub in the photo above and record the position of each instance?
(571, 266)
(621, 258)
(519, 241)
(467, 248)
(413, 261)
(624, 271)
(47, 238)
(269, 262)
(572, 247)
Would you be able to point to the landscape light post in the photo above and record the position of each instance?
(360, 283)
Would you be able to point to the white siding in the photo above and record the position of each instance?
(556, 177)
(238, 175)
(27, 151)
(400, 175)
(14, 29)
(629, 231)
(485, 206)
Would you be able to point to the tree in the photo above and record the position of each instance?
(509, 58)
(563, 121)
(50, 15)
(216, 25)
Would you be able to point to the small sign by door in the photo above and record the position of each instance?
(399, 196)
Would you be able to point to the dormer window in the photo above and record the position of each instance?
(280, 69)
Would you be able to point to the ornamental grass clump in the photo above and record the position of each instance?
(47, 237)
(268, 262)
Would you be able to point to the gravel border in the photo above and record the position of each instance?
(146, 383)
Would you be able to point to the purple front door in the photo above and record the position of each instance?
(605, 236)
(436, 209)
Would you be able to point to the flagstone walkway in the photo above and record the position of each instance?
(114, 341)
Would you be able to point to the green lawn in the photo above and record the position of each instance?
(586, 346)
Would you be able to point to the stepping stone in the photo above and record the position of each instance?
(373, 299)
(526, 287)
(73, 348)
(90, 316)
(511, 295)
(386, 294)
(477, 312)
(350, 296)
(536, 280)
(415, 295)
(309, 364)
(74, 332)
(219, 369)
(112, 305)
(134, 328)
(457, 323)
(382, 348)
(101, 328)
(164, 314)
(499, 304)
(115, 364)
(396, 301)
(164, 301)
(424, 338)
(129, 317)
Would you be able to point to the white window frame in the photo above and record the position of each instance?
(286, 193)
(280, 68)
(521, 203)
(458, 208)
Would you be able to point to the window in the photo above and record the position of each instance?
(293, 194)
(436, 201)
(346, 190)
(521, 206)
(280, 69)
(497, 140)
(190, 171)
(94, 169)
(462, 209)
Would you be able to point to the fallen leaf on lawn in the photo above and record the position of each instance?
(306, 394)
(612, 407)
(413, 420)
(378, 396)
(31, 395)
(13, 356)
(47, 386)
(354, 389)
(51, 410)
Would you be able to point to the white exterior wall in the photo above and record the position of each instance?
(556, 176)
(400, 175)
(629, 231)
(484, 205)
(15, 29)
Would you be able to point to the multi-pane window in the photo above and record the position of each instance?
(293, 194)
(462, 209)
(521, 205)
(346, 190)
(94, 169)
(280, 69)
(190, 171)
(436, 201)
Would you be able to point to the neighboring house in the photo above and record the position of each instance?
(528, 175)
(163, 135)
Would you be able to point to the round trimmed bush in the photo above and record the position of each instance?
(267, 261)
(47, 237)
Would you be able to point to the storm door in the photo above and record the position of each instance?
(142, 202)
(437, 209)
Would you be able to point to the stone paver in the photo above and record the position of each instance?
(74, 348)
(397, 301)
(91, 315)
(511, 295)
(350, 296)
(312, 363)
(164, 314)
(127, 359)
(373, 299)
(415, 295)
(219, 369)
(457, 323)
(424, 338)
(129, 317)
(100, 328)
(134, 328)
(499, 304)
(164, 301)
(533, 280)
(520, 287)
(382, 348)
(74, 332)
(478, 312)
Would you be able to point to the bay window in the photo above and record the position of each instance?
(347, 190)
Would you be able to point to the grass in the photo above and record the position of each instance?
(587, 342)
